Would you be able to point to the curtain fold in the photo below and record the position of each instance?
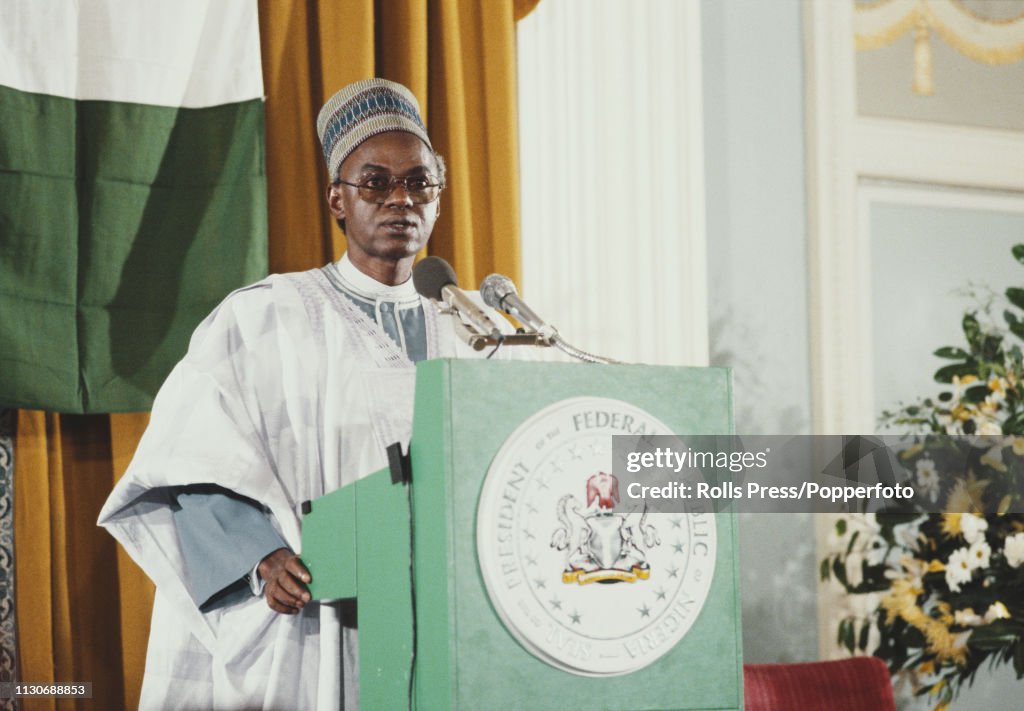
(72, 604)
(82, 606)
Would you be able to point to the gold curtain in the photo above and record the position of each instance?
(82, 606)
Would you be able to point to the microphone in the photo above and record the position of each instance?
(500, 293)
(435, 279)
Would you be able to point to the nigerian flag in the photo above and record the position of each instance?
(132, 190)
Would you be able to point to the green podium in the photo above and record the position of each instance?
(512, 572)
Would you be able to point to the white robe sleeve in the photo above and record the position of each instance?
(222, 417)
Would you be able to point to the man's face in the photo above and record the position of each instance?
(380, 236)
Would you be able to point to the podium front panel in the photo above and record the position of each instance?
(466, 656)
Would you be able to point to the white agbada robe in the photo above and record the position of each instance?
(287, 392)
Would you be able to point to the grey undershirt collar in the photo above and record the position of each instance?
(397, 310)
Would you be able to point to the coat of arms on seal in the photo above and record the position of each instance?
(584, 579)
(602, 546)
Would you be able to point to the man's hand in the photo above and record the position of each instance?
(286, 579)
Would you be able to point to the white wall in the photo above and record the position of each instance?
(757, 266)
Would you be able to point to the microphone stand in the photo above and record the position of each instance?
(478, 341)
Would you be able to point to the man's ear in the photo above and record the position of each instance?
(334, 202)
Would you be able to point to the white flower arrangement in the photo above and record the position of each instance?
(921, 580)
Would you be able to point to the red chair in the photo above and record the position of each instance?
(856, 684)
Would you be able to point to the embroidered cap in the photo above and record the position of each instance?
(362, 110)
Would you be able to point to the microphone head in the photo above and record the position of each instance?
(431, 275)
(495, 288)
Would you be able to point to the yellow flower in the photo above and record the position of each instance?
(961, 412)
(902, 602)
(996, 611)
(965, 380)
(965, 496)
(951, 521)
(926, 667)
(1018, 446)
(946, 645)
(915, 449)
(912, 574)
(945, 613)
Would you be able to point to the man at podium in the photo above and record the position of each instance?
(290, 389)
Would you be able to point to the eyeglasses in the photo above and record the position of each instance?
(377, 188)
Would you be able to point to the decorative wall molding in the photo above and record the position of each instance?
(612, 176)
(990, 41)
(835, 258)
(872, 193)
(919, 152)
(845, 151)
(899, 193)
(854, 162)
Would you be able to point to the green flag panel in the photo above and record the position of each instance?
(121, 226)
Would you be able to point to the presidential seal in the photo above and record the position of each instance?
(585, 581)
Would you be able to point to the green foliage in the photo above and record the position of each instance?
(996, 635)
(951, 352)
(1016, 296)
